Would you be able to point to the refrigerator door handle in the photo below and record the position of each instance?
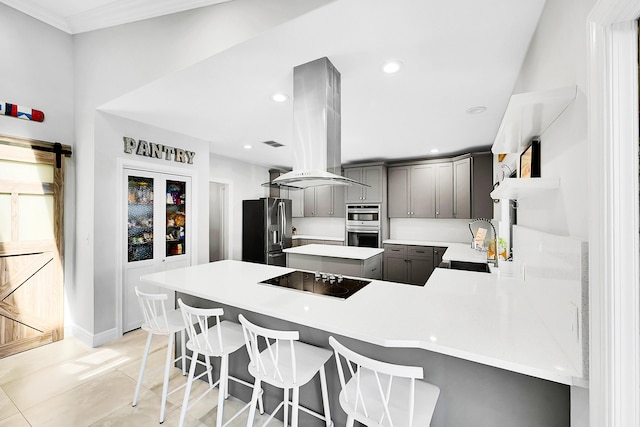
(283, 220)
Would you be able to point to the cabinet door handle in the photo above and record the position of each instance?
(420, 252)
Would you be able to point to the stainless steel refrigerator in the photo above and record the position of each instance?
(266, 230)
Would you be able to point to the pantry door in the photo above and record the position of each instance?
(31, 247)
(158, 229)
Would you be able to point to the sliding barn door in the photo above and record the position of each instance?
(31, 276)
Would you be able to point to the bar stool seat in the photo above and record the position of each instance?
(286, 363)
(159, 321)
(218, 338)
(380, 394)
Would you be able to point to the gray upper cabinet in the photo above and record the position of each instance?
(462, 188)
(324, 201)
(444, 190)
(297, 203)
(398, 194)
(482, 173)
(370, 175)
(422, 191)
(449, 188)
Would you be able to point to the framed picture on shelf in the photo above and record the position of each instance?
(530, 160)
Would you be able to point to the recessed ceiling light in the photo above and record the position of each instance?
(391, 67)
(247, 147)
(477, 110)
(435, 150)
(279, 97)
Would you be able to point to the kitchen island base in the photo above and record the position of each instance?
(472, 394)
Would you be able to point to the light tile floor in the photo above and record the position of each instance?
(67, 384)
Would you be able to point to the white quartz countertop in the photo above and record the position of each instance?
(474, 316)
(334, 251)
(464, 252)
(312, 237)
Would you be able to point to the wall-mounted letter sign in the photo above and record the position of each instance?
(21, 112)
(149, 149)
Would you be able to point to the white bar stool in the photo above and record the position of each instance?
(159, 321)
(285, 363)
(380, 394)
(211, 339)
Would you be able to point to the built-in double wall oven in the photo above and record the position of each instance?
(363, 226)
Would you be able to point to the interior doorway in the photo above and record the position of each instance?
(218, 221)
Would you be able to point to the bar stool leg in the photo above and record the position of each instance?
(187, 391)
(254, 399)
(294, 407)
(286, 406)
(325, 397)
(222, 389)
(209, 370)
(184, 353)
(142, 368)
(167, 369)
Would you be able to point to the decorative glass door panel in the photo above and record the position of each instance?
(176, 218)
(140, 218)
(157, 224)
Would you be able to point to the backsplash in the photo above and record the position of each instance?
(440, 230)
(327, 227)
(555, 273)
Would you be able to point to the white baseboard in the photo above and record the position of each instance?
(89, 339)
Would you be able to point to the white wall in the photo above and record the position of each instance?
(37, 72)
(109, 150)
(557, 57)
(245, 182)
(113, 61)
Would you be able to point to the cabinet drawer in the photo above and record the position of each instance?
(420, 251)
(395, 249)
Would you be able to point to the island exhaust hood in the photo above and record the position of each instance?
(316, 128)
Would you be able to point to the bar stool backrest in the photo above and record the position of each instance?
(276, 365)
(154, 311)
(374, 384)
(198, 321)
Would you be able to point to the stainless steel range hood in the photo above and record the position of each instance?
(316, 128)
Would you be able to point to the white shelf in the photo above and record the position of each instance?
(519, 188)
(528, 115)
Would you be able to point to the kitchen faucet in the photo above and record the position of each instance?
(495, 238)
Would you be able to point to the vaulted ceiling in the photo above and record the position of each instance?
(456, 55)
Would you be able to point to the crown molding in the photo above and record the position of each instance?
(111, 14)
(40, 13)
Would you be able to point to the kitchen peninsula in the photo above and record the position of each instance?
(474, 333)
(346, 260)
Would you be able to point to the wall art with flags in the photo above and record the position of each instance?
(26, 113)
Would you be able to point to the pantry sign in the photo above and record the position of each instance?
(157, 151)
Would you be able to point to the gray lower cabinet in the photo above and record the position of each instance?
(408, 264)
(438, 251)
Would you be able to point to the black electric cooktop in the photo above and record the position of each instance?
(333, 285)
